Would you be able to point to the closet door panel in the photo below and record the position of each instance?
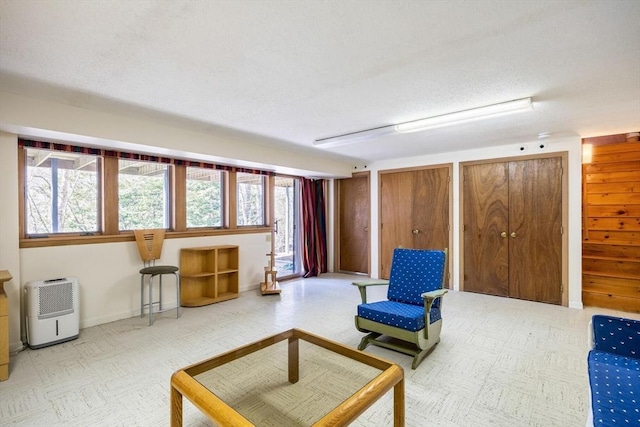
(431, 209)
(396, 211)
(535, 221)
(485, 219)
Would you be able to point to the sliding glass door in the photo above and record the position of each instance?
(287, 228)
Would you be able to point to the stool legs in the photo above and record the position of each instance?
(141, 296)
(159, 302)
(151, 300)
(178, 295)
(160, 291)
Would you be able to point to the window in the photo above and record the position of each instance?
(250, 193)
(77, 195)
(205, 197)
(143, 195)
(61, 192)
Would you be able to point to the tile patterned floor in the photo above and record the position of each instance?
(501, 362)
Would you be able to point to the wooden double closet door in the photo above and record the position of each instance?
(512, 229)
(414, 212)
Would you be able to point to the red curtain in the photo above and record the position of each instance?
(314, 230)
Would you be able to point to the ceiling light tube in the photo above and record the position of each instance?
(349, 138)
(495, 110)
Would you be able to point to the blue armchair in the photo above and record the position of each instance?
(410, 320)
(614, 371)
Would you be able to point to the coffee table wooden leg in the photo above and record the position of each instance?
(294, 360)
(398, 404)
(176, 408)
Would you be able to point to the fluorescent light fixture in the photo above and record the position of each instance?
(352, 137)
(495, 110)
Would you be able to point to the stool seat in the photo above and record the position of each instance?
(159, 269)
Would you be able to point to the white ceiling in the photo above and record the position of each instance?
(295, 71)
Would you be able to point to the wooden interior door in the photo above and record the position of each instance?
(396, 216)
(354, 217)
(430, 211)
(414, 212)
(485, 228)
(513, 229)
(535, 230)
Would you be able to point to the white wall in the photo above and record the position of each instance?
(574, 227)
(45, 119)
(108, 272)
(9, 247)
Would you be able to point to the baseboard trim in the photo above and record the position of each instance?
(576, 304)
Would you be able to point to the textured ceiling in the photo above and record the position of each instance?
(290, 72)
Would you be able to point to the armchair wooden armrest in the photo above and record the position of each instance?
(430, 296)
(362, 286)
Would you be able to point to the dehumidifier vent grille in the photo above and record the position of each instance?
(55, 300)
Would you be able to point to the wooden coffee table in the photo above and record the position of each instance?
(184, 383)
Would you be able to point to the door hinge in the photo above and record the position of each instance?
(381, 226)
(561, 230)
(448, 178)
(561, 288)
(464, 227)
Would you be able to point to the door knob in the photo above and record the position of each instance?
(503, 234)
(416, 231)
(513, 234)
(366, 229)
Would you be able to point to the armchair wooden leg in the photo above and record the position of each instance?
(421, 355)
(367, 339)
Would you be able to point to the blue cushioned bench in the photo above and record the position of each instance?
(614, 371)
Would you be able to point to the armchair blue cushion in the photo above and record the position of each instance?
(614, 371)
(412, 311)
(400, 315)
(414, 272)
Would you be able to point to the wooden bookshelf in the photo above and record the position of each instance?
(208, 274)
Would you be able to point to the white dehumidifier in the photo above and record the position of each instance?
(52, 311)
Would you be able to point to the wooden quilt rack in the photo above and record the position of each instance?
(270, 285)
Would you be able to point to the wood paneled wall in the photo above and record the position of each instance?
(611, 223)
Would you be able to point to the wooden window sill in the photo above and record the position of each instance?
(53, 240)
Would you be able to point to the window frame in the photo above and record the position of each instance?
(108, 213)
(22, 182)
(224, 190)
(168, 178)
(265, 205)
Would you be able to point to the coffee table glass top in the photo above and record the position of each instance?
(257, 387)
(293, 379)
